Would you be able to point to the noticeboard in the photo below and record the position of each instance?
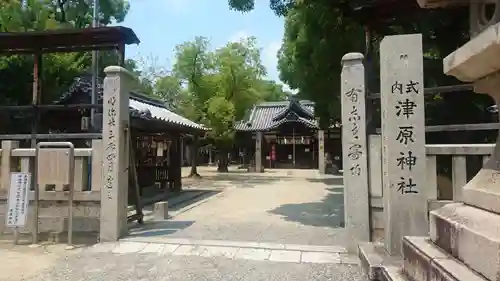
(17, 204)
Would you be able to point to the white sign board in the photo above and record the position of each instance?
(17, 204)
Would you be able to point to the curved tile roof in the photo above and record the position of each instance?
(262, 116)
(141, 106)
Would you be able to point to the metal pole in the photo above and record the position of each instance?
(293, 147)
(95, 66)
(34, 128)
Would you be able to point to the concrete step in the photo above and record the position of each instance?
(425, 261)
(469, 234)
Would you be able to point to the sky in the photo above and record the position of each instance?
(163, 24)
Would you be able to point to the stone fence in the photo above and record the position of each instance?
(459, 154)
(100, 197)
(53, 194)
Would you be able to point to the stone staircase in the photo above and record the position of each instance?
(464, 245)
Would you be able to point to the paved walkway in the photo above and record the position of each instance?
(280, 225)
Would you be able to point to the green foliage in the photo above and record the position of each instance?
(220, 85)
(169, 89)
(58, 70)
(280, 7)
(313, 46)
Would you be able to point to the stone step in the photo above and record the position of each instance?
(425, 261)
(374, 261)
(392, 273)
(469, 234)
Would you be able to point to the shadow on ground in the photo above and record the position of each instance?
(329, 212)
(158, 228)
(328, 180)
(233, 179)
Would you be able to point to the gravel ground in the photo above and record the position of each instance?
(290, 207)
(105, 266)
(281, 206)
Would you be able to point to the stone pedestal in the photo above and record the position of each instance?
(258, 153)
(161, 210)
(115, 141)
(321, 151)
(354, 149)
(403, 139)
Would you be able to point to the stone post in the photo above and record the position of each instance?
(115, 142)
(7, 164)
(258, 152)
(354, 150)
(403, 139)
(321, 151)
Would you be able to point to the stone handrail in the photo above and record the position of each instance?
(459, 153)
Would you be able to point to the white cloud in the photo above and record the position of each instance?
(238, 36)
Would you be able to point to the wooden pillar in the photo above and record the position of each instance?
(258, 153)
(321, 151)
(174, 167)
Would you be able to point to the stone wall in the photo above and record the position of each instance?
(53, 218)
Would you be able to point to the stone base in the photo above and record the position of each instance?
(53, 219)
(253, 169)
(422, 261)
(470, 235)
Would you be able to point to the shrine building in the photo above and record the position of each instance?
(288, 136)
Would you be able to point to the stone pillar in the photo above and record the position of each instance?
(7, 162)
(115, 142)
(258, 153)
(321, 151)
(403, 139)
(354, 150)
(375, 165)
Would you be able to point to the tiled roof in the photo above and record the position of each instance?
(160, 112)
(262, 117)
(141, 106)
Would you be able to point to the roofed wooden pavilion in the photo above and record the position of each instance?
(289, 133)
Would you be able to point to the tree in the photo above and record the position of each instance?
(310, 55)
(169, 89)
(58, 70)
(319, 32)
(220, 86)
(193, 62)
(269, 90)
(239, 70)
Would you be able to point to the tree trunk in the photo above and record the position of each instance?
(194, 158)
(223, 162)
